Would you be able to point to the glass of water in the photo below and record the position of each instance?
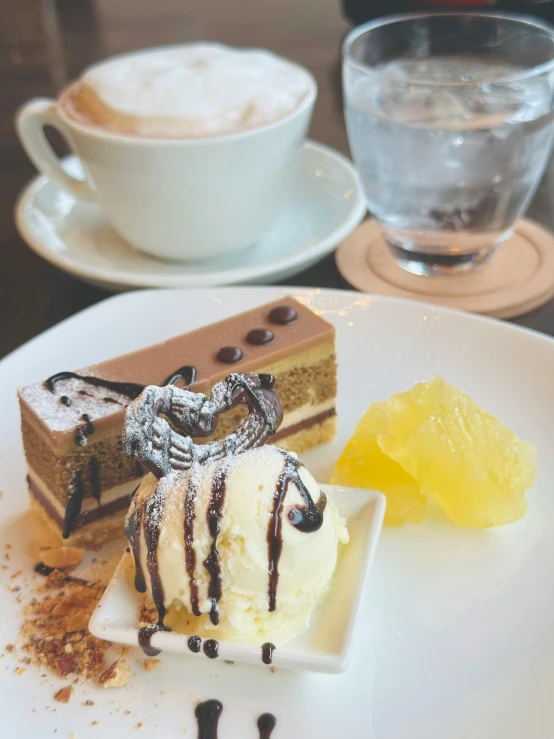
(450, 119)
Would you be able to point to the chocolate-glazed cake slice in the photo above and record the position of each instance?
(79, 478)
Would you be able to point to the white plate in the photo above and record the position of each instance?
(324, 647)
(456, 635)
(327, 206)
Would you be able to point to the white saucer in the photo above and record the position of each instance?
(77, 238)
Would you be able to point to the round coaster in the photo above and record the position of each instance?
(517, 279)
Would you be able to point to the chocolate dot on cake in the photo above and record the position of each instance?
(283, 315)
(229, 354)
(260, 336)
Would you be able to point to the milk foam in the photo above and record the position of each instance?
(198, 90)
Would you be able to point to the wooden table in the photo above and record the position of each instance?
(44, 44)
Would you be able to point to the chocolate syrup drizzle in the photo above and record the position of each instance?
(266, 724)
(152, 529)
(211, 563)
(133, 527)
(94, 471)
(307, 518)
(190, 554)
(267, 652)
(131, 390)
(74, 502)
(145, 638)
(207, 715)
(187, 373)
(76, 492)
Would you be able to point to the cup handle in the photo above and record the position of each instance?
(30, 121)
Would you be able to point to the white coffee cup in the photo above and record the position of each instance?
(182, 199)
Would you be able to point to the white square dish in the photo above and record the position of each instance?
(323, 647)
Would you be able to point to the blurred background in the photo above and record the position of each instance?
(46, 43)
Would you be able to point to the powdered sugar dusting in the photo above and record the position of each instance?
(85, 399)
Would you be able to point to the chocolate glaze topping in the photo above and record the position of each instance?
(266, 724)
(207, 715)
(211, 647)
(194, 644)
(283, 315)
(64, 400)
(260, 336)
(267, 652)
(229, 354)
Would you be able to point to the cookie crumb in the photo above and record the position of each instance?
(64, 694)
(151, 664)
(19, 670)
(16, 574)
(87, 703)
(95, 723)
(139, 726)
(62, 558)
(117, 674)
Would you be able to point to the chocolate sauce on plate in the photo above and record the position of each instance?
(211, 648)
(194, 644)
(266, 724)
(267, 652)
(207, 715)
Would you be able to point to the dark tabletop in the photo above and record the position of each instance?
(46, 43)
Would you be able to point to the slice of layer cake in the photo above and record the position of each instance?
(80, 480)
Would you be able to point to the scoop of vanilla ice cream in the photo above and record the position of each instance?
(239, 494)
